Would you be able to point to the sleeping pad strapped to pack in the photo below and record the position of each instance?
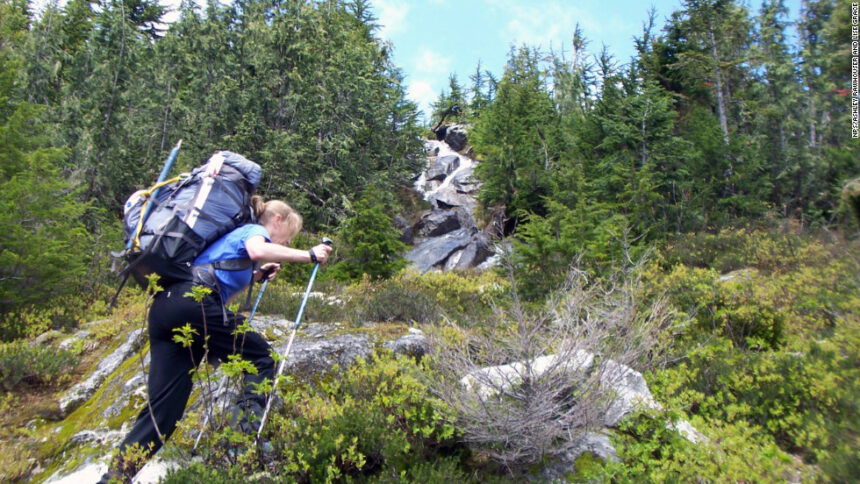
(185, 215)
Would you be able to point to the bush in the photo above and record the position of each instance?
(651, 451)
(761, 308)
(371, 244)
(799, 397)
(374, 420)
(22, 363)
(733, 249)
(556, 382)
(427, 298)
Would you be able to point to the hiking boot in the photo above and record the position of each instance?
(245, 416)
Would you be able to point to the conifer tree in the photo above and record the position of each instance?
(43, 245)
(516, 137)
(370, 242)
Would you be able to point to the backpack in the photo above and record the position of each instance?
(168, 225)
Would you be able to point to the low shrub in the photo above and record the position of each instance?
(733, 249)
(373, 421)
(804, 397)
(36, 365)
(649, 450)
(426, 298)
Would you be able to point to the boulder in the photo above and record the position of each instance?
(478, 250)
(82, 391)
(449, 198)
(413, 344)
(308, 358)
(435, 251)
(439, 222)
(464, 181)
(627, 387)
(442, 166)
(456, 137)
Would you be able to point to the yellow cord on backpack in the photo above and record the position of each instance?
(143, 210)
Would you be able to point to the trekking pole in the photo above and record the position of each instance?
(298, 322)
(223, 382)
(165, 170)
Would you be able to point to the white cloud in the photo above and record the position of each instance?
(422, 93)
(429, 61)
(391, 15)
(546, 23)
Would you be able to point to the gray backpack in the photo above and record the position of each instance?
(168, 226)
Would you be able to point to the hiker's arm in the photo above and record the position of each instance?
(261, 251)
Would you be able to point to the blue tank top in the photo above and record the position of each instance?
(229, 247)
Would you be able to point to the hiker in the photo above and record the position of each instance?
(169, 384)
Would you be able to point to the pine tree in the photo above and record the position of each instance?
(516, 137)
(370, 242)
(43, 245)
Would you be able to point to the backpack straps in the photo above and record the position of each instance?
(204, 274)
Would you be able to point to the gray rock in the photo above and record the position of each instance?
(478, 250)
(628, 388)
(464, 181)
(631, 392)
(98, 437)
(82, 391)
(438, 222)
(78, 336)
(456, 137)
(450, 198)
(746, 274)
(435, 251)
(309, 358)
(413, 344)
(596, 443)
(442, 166)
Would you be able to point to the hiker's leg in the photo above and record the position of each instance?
(258, 351)
(252, 347)
(169, 381)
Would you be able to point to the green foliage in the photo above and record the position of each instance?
(783, 286)
(21, 362)
(650, 450)
(44, 247)
(373, 421)
(514, 138)
(774, 344)
(371, 244)
(803, 397)
(427, 298)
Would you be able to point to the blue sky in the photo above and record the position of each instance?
(434, 38)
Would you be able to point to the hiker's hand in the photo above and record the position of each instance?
(321, 252)
(269, 270)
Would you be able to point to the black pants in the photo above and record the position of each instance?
(169, 384)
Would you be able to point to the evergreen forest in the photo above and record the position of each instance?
(692, 213)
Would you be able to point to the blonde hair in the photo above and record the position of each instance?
(264, 211)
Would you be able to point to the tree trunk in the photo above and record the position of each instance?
(718, 85)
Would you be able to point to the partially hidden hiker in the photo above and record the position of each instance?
(169, 385)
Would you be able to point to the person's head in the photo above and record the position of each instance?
(280, 219)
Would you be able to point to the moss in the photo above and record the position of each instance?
(58, 451)
(584, 465)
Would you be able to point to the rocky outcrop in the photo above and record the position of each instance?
(455, 137)
(447, 236)
(316, 350)
(628, 389)
(81, 392)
